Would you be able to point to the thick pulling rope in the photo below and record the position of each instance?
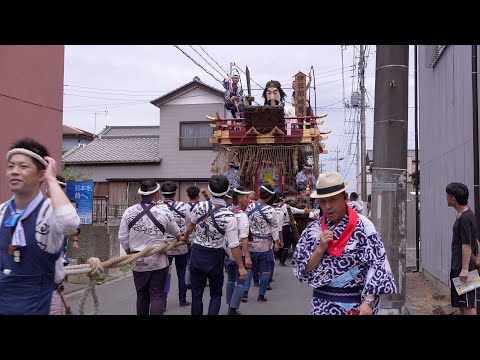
(95, 267)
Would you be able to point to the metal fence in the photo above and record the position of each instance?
(102, 210)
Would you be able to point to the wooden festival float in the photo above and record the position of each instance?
(269, 147)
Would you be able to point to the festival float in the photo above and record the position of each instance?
(271, 146)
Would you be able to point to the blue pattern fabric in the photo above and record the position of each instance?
(232, 175)
(363, 264)
(301, 178)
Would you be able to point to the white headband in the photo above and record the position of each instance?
(228, 196)
(217, 194)
(242, 192)
(61, 183)
(28, 153)
(168, 192)
(149, 192)
(264, 188)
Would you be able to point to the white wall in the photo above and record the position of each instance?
(186, 164)
(196, 96)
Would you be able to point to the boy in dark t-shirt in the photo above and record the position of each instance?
(463, 244)
(464, 231)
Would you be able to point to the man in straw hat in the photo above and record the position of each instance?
(32, 231)
(143, 226)
(341, 255)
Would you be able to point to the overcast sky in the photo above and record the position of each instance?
(115, 84)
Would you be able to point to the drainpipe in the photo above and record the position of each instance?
(476, 185)
(417, 199)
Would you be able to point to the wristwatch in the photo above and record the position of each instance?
(369, 302)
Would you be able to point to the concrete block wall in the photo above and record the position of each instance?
(99, 241)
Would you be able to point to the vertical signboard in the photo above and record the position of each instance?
(300, 94)
(82, 193)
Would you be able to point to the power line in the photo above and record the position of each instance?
(96, 97)
(324, 72)
(145, 100)
(95, 88)
(205, 60)
(155, 91)
(316, 77)
(73, 108)
(104, 93)
(29, 102)
(326, 106)
(238, 67)
(196, 63)
(201, 47)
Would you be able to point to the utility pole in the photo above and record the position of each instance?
(342, 158)
(389, 185)
(320, 165)
(95, 124)
(363, 153)
(337, 158)
(95, 127)
(357, 152)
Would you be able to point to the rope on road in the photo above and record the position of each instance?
(95, 267)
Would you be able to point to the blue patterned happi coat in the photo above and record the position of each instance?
(362, 265)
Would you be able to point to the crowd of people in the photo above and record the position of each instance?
(236, 232)
(244, 234)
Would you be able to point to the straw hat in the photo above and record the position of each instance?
(329, 184)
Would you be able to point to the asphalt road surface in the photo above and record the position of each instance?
(287, 297)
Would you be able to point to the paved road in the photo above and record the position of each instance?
(287, 297)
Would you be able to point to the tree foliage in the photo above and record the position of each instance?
(72, 174)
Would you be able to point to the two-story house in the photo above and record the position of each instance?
(184, 146)
(178, 150)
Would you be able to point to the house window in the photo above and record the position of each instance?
(432, 54)
(195, 136)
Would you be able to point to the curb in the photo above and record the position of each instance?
(410, 311)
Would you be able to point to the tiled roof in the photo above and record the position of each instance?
(116, 150)
(138, 131)
(70, 130)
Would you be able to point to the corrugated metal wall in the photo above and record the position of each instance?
(31, 99)
(446, 143)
